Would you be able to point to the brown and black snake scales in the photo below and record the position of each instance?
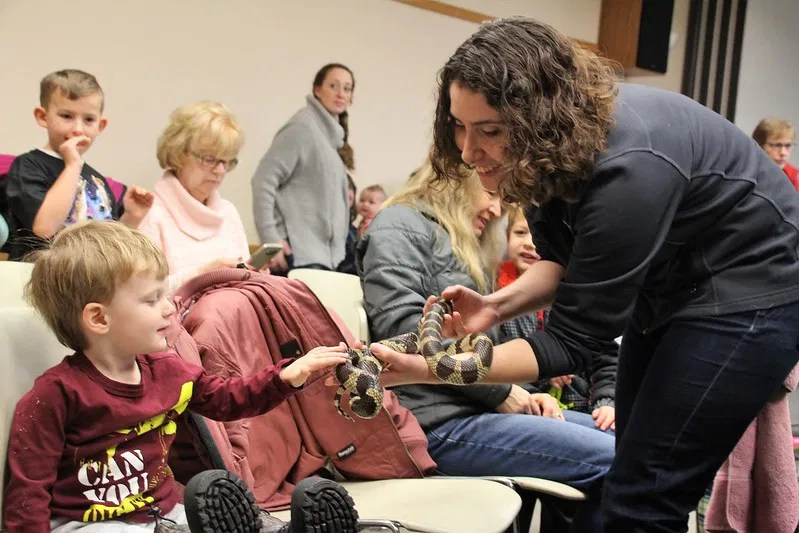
(361, 374)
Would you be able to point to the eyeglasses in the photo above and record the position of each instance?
(787, 146)
(210, 162)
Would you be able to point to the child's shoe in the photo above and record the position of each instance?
(322, 506)
(217, 501)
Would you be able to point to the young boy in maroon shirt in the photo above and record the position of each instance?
(89, 443)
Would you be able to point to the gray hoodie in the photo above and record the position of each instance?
(404, 257)
(300, 188)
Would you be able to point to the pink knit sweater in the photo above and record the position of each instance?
(190, 233)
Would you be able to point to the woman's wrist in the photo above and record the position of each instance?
(496, 302)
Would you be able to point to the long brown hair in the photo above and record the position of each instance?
(354, 207)
(345, 152)
(556, 98)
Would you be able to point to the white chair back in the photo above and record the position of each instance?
(28, 349)
(340, 292)
(13, 277)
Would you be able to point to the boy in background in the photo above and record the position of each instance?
(53, 187)
(778, 138)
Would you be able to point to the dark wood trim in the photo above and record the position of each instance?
(721, 55)
(737, 47)
(694, 30)
(442, 8)
(707, 51)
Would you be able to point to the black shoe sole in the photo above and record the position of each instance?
(322, 506)
(217, 501)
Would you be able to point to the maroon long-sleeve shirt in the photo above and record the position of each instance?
(88, 448)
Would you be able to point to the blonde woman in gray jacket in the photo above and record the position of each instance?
(300, 186)
(430, 236)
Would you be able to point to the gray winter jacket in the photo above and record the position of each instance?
(300, 188)
(404, 257)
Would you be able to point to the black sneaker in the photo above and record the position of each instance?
(217, 501)
(322, 506)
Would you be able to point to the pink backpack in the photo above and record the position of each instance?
(5, 165)
(241, 321)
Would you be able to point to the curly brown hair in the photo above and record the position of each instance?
(556, 98)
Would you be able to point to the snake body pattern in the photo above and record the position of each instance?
(360, 375)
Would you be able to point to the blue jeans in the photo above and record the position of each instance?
(684, 396)
(573, 452)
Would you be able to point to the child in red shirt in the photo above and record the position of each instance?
(594, 392)
(369, 204)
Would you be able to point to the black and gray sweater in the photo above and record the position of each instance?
(684, 217)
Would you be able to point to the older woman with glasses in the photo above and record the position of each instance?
(197, 230)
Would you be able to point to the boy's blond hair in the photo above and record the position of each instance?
(85, 263)
(72, 84)
(207, 127)
(772, 127)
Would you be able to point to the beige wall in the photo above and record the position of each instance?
(258, 57)
(576, 18)
(769, 81)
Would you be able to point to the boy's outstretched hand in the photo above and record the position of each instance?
(319, 358)
(137, 203)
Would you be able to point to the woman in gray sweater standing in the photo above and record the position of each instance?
(300, 186)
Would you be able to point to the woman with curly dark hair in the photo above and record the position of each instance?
(658, 219)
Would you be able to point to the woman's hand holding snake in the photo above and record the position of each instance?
(402, 368)
(472, 312)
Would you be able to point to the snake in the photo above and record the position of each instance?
(360, 374)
